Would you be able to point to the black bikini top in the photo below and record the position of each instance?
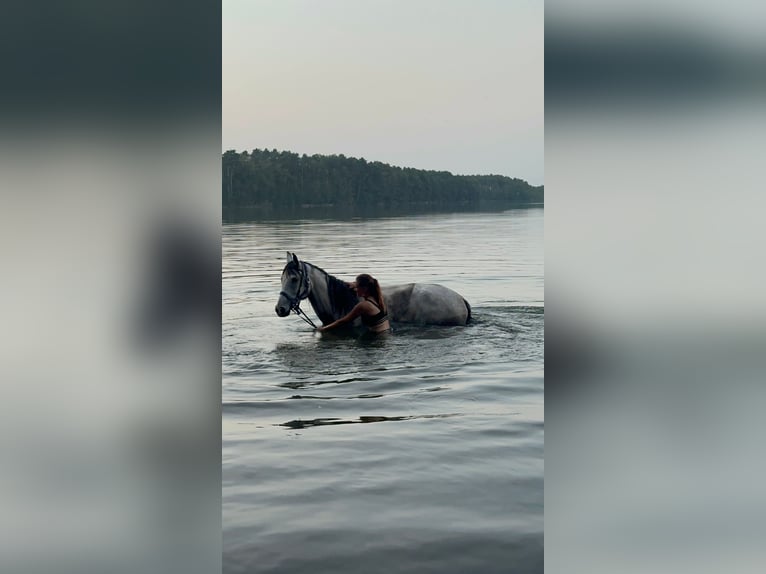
(372, 320)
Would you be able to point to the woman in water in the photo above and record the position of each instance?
(372, 307)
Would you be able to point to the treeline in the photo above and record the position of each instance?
(264, 178)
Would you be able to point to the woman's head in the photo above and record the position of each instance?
(365, 282)
(367, 286)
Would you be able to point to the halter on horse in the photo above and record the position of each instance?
(304, 289)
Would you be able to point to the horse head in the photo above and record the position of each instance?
(296, 285)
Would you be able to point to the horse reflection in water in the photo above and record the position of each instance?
(332, 298)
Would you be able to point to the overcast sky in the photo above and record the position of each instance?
(453, 85)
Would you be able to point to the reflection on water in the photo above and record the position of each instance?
(454, 481)
(342, 213)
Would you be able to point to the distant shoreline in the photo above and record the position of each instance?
(266, 180)
(416, 204)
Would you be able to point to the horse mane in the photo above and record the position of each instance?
(342, 297)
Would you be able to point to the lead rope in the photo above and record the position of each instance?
(302, 314)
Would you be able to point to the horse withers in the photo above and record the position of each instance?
(332, 298)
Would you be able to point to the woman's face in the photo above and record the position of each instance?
(360, 291)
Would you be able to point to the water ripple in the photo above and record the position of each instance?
(301, 424)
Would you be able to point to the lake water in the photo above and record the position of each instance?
(418, 453)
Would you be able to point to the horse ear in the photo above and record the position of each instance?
(289, 257)
(295, 258)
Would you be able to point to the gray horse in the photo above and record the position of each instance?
(332, 298)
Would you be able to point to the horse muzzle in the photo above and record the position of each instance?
(282, 310)
(284, 305)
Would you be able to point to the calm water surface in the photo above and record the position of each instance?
(419, 453)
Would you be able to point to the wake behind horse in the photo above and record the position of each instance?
(331, 298)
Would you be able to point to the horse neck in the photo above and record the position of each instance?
(330, 298)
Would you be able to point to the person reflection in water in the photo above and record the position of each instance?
(371, 308)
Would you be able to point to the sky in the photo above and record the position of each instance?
(453, 85)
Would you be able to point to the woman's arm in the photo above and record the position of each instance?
(353, 314)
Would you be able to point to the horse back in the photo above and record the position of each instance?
(426, 304)
(398, 301)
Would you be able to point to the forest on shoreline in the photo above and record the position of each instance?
(281, 179)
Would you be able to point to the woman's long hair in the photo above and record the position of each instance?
(373, 289)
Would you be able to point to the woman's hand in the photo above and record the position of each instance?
(353, 314)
